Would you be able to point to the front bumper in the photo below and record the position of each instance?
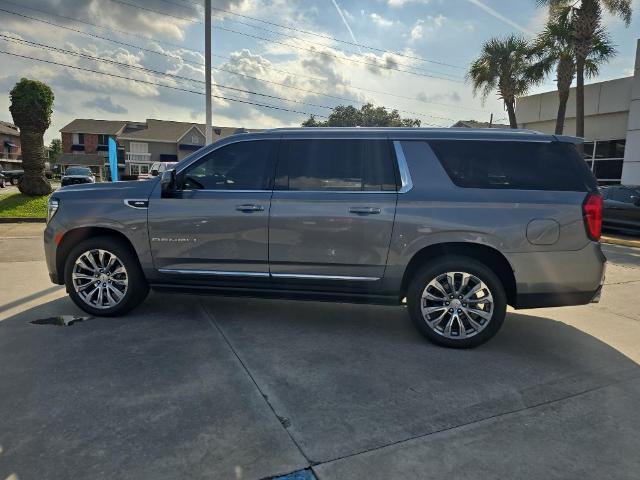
(50, 253)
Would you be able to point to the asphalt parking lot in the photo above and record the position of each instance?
(211, 387)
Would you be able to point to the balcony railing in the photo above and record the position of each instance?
(138, 157)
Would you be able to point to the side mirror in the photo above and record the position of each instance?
(168, 182)
(154, 173)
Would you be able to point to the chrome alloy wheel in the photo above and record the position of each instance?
(457, 305)
(100, 278)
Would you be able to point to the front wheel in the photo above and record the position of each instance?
(457, 302)
(13, 181)
(103, 277)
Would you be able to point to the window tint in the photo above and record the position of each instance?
(514, 165)
(238, 166)
(336, 165)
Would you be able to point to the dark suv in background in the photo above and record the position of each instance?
(622, 207)
(456, 223)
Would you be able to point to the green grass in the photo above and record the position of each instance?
(22, 206)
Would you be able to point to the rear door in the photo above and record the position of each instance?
(332, 210)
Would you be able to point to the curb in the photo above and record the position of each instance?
(620, 241)
(22, 220)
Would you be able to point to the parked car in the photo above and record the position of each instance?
(457, 224)
(11, 176)
(77, 175)
(158, 168)
(622, 207)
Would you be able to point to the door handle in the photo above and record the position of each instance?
(364, 210)
(249, 208)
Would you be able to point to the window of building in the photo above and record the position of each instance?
(336, 165)
(103, 140)
(78, 139)
(139, 168)
(605, 159)
(195, 139)
(239, 166)
(514, 165)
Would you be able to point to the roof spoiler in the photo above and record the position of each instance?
(569, 139)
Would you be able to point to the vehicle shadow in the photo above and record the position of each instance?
(353, 377)
(92, 399)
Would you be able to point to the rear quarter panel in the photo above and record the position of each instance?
(437, 211)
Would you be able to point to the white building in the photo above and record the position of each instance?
(612, 124)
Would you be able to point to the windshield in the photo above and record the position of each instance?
(78, 171)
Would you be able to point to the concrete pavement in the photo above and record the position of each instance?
(211, 387)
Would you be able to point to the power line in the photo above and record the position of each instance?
(296, 47)
(328, 37)
(175, 56)
(178, 77)
(294, 37)
(231, 99)
(148, 70)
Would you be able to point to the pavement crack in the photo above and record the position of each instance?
(482, 420)
(284, 421)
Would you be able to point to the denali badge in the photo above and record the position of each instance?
(173, 240)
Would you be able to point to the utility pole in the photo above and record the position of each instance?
(491, 121)
(207, 67)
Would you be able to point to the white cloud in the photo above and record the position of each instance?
(401, 3)
(432, 25)
(416, 31)
(380, 21)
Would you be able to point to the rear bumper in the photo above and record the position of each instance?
(556, 279)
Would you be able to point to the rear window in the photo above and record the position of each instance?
(336, 165)
(553, 166)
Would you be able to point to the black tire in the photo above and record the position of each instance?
(433, 270)
(13, 181)
(1, 182)
(137, 289)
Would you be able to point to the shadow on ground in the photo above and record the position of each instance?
(161, 393)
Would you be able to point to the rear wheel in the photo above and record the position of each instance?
(103, 277)
(1, 182)
(457, 302)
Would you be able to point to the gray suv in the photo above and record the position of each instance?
(457, 224)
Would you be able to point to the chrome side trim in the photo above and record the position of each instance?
(406, 184)
(333, 192)
(225, 273)
(223, 191)
(324, 277)
(137, 203)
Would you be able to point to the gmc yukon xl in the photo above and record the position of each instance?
(455, 223)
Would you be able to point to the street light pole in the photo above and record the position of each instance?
(207, 67)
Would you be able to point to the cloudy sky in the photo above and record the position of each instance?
(409, 55)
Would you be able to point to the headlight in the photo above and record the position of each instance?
(53, 205)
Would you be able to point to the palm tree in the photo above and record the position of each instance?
(31, 108)
(505, 65)
(587, 22)
(555, 46)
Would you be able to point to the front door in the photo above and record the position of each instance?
(332, 210)
(216, 224)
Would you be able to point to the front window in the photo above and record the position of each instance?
(239, 166)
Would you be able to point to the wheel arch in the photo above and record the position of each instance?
(77, 235)
(489, 256)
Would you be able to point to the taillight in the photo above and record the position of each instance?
(592, 212)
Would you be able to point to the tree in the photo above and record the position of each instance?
(505, 65)
(55, 148)
(555, 46)
(31, 108)
(366, 116)
(587, 22)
